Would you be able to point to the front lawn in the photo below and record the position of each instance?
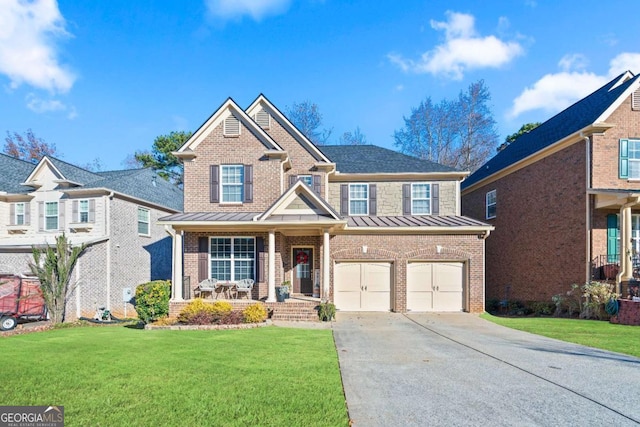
(119, 376)
(592, 333)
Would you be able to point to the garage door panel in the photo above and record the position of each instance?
(362, 286)
(434, 286)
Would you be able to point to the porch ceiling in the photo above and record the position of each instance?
(613, 198)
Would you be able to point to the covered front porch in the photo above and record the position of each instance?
(615, 238)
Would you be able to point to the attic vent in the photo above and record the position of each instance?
(635, 100)
(263, 119)
(231, 126)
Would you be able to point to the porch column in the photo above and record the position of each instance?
(326, 259)
(176, 279)
(271, 279)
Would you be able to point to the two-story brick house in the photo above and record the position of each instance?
(114, 213)
(363, 226)
(564, 198)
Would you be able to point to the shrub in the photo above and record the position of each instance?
(492, 305)
(232, 318)
(541, 308)
(596, 295)
(152, 300)
(567, 304)
(198, 312)
(255, 313)
(166, 321)
(326, 311)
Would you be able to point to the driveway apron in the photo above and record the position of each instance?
(437, 369)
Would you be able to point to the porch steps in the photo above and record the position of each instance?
(297, 311)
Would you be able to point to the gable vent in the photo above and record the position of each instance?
(263, 119)
(635, 100)
(231, 126)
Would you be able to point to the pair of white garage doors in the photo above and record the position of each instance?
(367, 286)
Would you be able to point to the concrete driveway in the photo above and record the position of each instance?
(460, 370)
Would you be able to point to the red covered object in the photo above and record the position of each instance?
(20, 297)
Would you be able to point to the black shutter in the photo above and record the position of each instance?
(435, 199)
(292, 180)
(248, 183)
(214, 196)
(259, 259)
(344, 199)
(406, 199)
(317, 180)
(373, 211)
(203, 258)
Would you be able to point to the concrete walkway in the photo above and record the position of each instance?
(460, 370)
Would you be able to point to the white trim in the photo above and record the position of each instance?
(80, 211)
(615, 104)
(138, 221)
(366, 213)
(430, 198)
(232, 259)
(221, 185)
(15, 215)
(295, 190)
(45, 216)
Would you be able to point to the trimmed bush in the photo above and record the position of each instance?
(233, 318)
(199, 312)
(255, 313)
(326, 311)
(152, 300)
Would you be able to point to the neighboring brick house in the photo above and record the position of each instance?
(366, 227)
(554, 196)
(115, 213)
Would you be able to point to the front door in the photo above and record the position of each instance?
(302, 270)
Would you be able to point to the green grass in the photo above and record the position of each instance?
(119, 376)
(593, 333)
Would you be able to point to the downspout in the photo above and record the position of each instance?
(108, 233)
(484, 271)
(587, 208)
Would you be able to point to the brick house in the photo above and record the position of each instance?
(556, 196)
(365, 227)
(114, 213)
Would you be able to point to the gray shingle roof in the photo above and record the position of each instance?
(137, 183)
(13, 172)
(578, 116)
(374, 159)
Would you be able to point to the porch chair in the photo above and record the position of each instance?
(207, 285)
(244, 286)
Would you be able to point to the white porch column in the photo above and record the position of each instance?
(326, 259)
(271, 279)
(176, 279)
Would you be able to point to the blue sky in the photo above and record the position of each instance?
(102, 79)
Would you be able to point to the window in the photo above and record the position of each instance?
(143, 222)
(491, 204)
(83, 211)
(358, 199)
(19, 215)
(420, 199)
(51, 216)
(307, 179)
(232, 258)
(232, 183)
(634, 159)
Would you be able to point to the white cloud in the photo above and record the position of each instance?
(462, 50)
(555, 92)
(256, 9)
(39, 105)
(28, 52)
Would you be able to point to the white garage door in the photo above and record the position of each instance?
(362, 286)
(435, 286)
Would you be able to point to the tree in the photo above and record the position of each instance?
(525, 128)
(460, 133)
(353, 138)
(28, 147)
(53, 267)
(307, 118)
(161, 159)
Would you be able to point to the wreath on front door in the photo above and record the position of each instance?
(302, 258)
